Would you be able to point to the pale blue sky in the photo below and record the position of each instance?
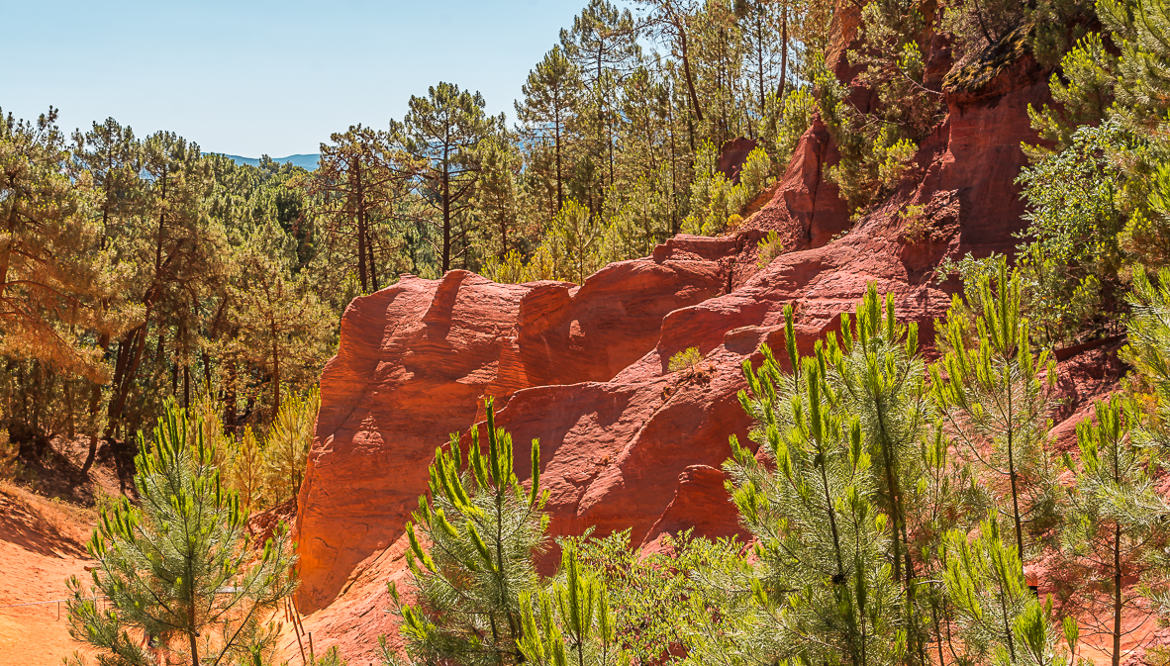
(260, 76)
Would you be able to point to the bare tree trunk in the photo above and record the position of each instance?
(446, 211)
(783, 50)
(275, 371)
(357, 199)
(1116, 594)
(686, 62)
(370, 252)
(229, 399)
(760, 59)
(557, 140)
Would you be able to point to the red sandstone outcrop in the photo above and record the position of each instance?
(625, 443)
(732, 155)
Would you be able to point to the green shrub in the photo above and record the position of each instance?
(715, 200)
(482, 529)
(915, 224)
(286, 446)
(769, 247)
(661, 600)
(687, 360)
(796, 117)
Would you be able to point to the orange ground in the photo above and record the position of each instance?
(41, 545)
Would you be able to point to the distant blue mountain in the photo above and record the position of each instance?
(307, 161)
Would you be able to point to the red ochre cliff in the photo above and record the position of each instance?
(624, 442)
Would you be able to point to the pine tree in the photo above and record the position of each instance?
(47, 269)
(603, 45)
(441, 132)
(550, 101)
(279, 325)
(880, 379)
(176, 252)
(571, 622)
(111, 156)
(824, 591)
(1002, 621)
(177, 565)
(498, 200)
(718, 53)
(355, 185)
(58, 303)
(286, 445)
(574, 238)
(1148, 351)
(1115, 508)
(670, 21)
(483, 529)
(995, 393)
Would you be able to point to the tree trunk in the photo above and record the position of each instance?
(557, 141)
(275, 372)
(446, 185)
(229, 397)
(370, 252)
(134, 345)
(760, 58)
(1014, 477)
(783, 49)
(1116, 594)
(192, 636)
(95, 396)
(686, 62)
(359, 205)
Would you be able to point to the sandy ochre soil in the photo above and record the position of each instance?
(41, 545)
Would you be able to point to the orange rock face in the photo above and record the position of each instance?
(625, 443)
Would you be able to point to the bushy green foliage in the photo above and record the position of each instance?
(1073, 252)
(286, 445)
(768, 248)
(177, 566)
(1001, 621)
(715, 198)
(476, 576)
(1083, 90)
(686, 360)
(1096, 194)
(878, 144)
(824, 590)
(1148, 346)
(571, 622)
(915, 223)
(572, 250)
(995, 393)
(787, 119)
(265, 470)
(978, 25)
(664, 600)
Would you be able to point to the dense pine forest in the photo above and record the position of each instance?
(138, 269)
(175, 307)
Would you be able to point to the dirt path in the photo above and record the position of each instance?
(41, 545)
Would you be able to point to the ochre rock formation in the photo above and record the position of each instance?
(626, 444)
(732, 155)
